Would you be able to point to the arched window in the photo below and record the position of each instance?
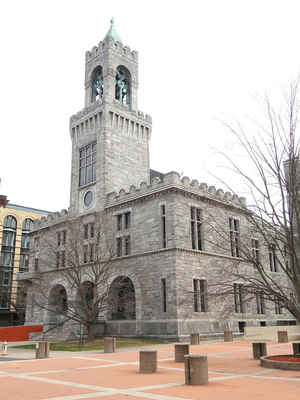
(24, 254)
(123, 85)
(7, 259)
(97, 85)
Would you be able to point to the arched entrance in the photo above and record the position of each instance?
(58, 305)
(122, 299)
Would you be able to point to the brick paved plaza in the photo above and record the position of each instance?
(233, 374)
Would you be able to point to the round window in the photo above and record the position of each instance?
(88, 198)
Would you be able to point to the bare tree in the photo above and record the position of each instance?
(80, 254)
(270, 243)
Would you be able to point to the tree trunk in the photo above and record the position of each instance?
(90, 332)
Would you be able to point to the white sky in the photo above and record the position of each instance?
(199, 62)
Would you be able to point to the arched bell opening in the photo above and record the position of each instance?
(123, 86)
(97, 85)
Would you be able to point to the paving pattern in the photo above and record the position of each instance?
(233, 374)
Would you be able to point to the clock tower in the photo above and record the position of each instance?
(110, 137)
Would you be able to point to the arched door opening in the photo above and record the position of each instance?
(122, 299)
(58, 305)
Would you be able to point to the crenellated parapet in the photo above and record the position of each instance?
(174, 180)
(51, 219)
(111, 44)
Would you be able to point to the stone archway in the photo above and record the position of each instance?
(121, 299)
(57, 305)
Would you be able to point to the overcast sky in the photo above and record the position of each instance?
(200, 62)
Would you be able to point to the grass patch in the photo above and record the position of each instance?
(97, 344)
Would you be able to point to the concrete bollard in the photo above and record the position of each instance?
(109, 345)
(148, 361)
(282, 336)
(42, 350)
(296, 348)
(259, 350)
(4, 349)
(228, 337)
(196, 369)
(181, 349)
(195, 338)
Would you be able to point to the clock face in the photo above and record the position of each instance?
(88, 198)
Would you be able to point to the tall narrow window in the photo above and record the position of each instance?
(64, 237)
(127, 220)
(63, 258)
(238, 298)
(57, 260)
(119, 246)
(200, 295)
(272, 258)
(87, 164)
(58, 239)
(119, 222)
(260, 303)
(255, 251)
(24, 251)
(234, 230)
(196, 228)
(86, 231)
(92, 252)
(92, 230)
(164, 294)
(127, 245)
(278, 308)
(163, 226)
(85, 254)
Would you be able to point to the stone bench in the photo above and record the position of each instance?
(109, 345)
(42, 350)
(148, 361)
(228, 336)
(195, 338)
(181, 349)
(196, 369)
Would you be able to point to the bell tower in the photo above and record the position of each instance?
(110, 137)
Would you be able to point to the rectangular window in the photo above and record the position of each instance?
(86, 231)
(234, 230)
(92, 250)
(58, 239)
(196, 228)
(63, 259)
(92, 230)
(255, 251)
(163, 226)
(200, 295)
(36, 264)
(127, 245)
(57, 259)
(127, 218)
(238, 298)
(260, 303)
(278, 308)
(119, 247)
(87, 164)
(272, 258)
(85, 254)
(64, 237)
(119, 222)
(164, 294)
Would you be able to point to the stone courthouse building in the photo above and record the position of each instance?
(156, 222)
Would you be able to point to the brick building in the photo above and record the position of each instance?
(15, 224)
(155, 221)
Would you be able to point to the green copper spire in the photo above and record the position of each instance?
(112, 32)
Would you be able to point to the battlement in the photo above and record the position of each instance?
(51, 219)
(172, 179)
(110, 44)
(90, 120)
